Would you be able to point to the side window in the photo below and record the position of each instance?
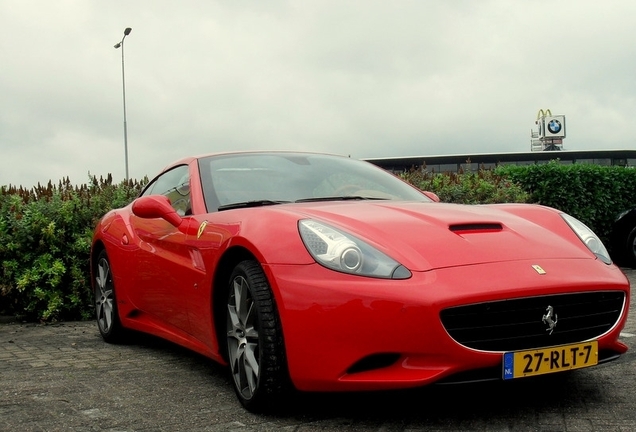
(175, 184)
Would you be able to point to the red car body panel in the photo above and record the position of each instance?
(458, 255)
(338, 321)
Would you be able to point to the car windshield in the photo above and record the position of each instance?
(249, 179)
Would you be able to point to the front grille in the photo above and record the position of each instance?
(511, 325)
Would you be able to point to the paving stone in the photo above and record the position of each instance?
(63, 377)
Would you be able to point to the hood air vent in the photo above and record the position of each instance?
(475, 227)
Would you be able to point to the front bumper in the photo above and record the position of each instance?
(350, 333)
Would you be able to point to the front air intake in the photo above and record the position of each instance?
(374, 361)
(520, 324)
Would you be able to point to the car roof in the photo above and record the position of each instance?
(188, 159)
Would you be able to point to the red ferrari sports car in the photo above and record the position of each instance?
(323, 273)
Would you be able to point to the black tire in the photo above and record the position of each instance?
(629, 254)
(106, 310)
(255, 347)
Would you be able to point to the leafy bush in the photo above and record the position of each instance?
(592, 193)
(45, 238)
(46, 231)
(482, 187)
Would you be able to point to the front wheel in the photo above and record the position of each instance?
(106, 303)
(255, 344)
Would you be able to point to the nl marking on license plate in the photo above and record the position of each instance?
(520, 364)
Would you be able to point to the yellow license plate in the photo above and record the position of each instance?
(520, 364)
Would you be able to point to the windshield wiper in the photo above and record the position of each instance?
(246, 204)
(339, 198)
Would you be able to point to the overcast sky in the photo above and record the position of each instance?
(365, 78)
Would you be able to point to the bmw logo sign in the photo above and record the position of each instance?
(554, 126)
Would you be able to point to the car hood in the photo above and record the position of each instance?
(425, 236)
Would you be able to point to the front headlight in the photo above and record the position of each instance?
(588, 237)
(343, 252)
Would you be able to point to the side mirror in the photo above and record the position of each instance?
(432, 196)
(156, 206)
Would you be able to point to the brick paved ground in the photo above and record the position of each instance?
(64, 377)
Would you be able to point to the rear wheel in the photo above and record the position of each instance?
(105, 302)
(254, 340)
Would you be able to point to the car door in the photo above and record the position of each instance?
(164, 258)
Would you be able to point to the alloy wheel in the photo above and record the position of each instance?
(242, 338)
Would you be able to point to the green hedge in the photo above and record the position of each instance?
(482, 187)
(594, 194)
(45, 232)
(45, 238)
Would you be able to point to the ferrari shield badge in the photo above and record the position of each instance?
(202, 228)
(538, 269)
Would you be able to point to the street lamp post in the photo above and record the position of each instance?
(123, 81)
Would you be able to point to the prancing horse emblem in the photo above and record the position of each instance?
(550, 318)
(202, 228)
